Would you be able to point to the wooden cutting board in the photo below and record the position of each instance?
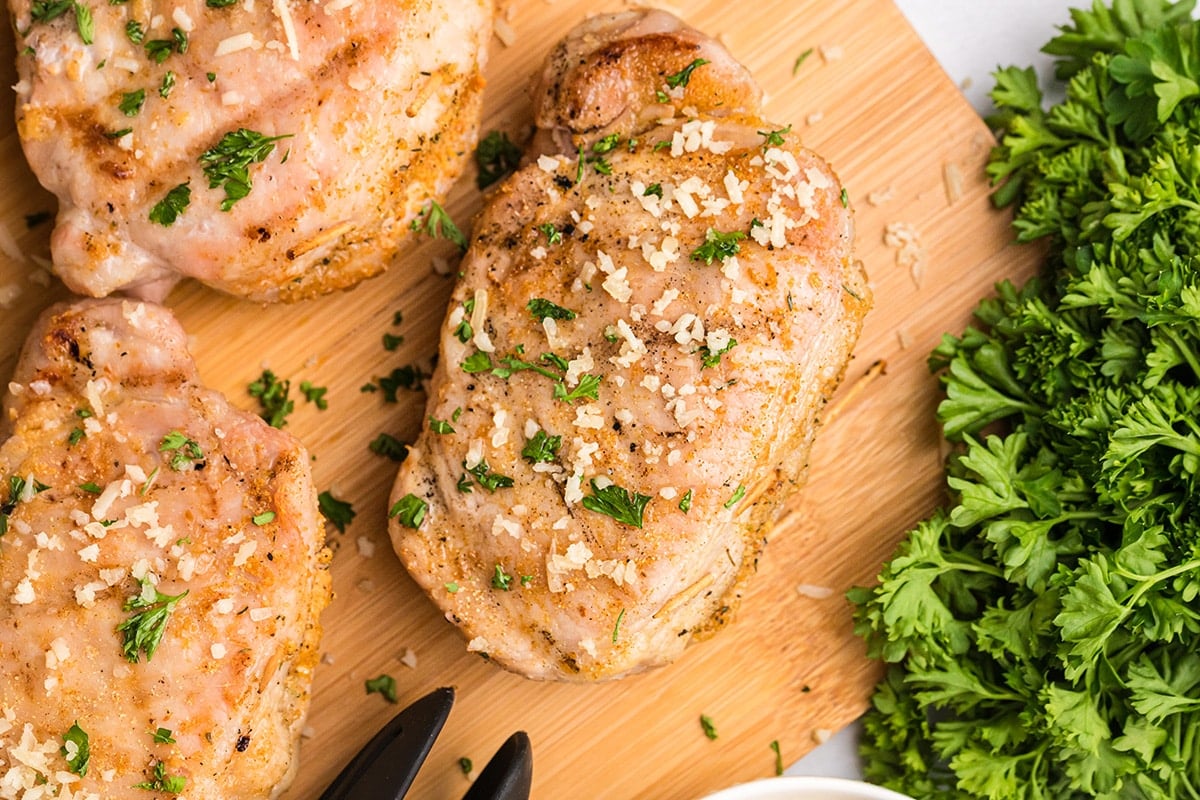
(909, 149)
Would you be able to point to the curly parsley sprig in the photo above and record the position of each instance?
(1042, 631)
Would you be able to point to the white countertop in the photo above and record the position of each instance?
(970, 39)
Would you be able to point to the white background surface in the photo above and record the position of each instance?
(970, 39)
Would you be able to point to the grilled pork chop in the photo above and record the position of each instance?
(650, 319)
(161, 572)
(272, 149)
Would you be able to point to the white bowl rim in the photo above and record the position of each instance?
(778, 787)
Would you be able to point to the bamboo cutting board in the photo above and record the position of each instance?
(872, 100)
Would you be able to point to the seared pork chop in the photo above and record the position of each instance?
(630, 377)
(162, 568)
(271, 149)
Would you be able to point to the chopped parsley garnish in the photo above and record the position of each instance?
(135, 31)
(340, 513)
(436, 223)
(486, 478)
(800, 59)
(227, 164)
(710, 359)
(168, 83)
(163, 782)
(49, 10)
(409, 511)
(738, 494)
(601, 165)
(718, 245)
(384, 685)
(706, 724)
(407, 377)
(132, 102)
(117, 134)
(272, 394)
(76, 749)
(143, 631)
(263, 518)
(391, 341)
(606, 144)
(167, 210)
(84, 23)
(541, 308)
(500, 579)
(452, 587)
(654, 189)
(75, 435)
(164, 736)
(314, 394)
(778, 757)
(684, 75)
(496, 156)
(685, 502)
(463, 331)
(553, 234)
(616, 502)
(617, 626)
(844, 196)
(587, 388)
(541, 448)
(91, 487)
(157, 50)
(466, 765)
(185, 452)
(388, 446)
(478, 361)
(440, 425)
(775, 138)
(219, 3)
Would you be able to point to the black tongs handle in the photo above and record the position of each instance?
(387, 765)
(509, 775)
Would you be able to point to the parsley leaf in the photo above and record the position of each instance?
(383, 685)
(542, 447)
(684, 75)
(272, 394)
(340, 513)
(76, 749)
(775, 138)
(388, 446)
(185, 452)
(718, 245)
(162, 782)
(436, 223)
(496, 156)
(409, 510)
(501, 580)
(227, 163)
(618, 503)
(486, 478)
(132, 102)
(541, 308)
(167, 210)
(143, 631)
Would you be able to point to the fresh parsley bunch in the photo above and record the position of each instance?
(1042, 634)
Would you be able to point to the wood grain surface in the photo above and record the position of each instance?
(872, 100)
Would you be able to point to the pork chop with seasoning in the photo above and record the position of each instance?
(272, 149)
(162, 569)
(651, 317)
